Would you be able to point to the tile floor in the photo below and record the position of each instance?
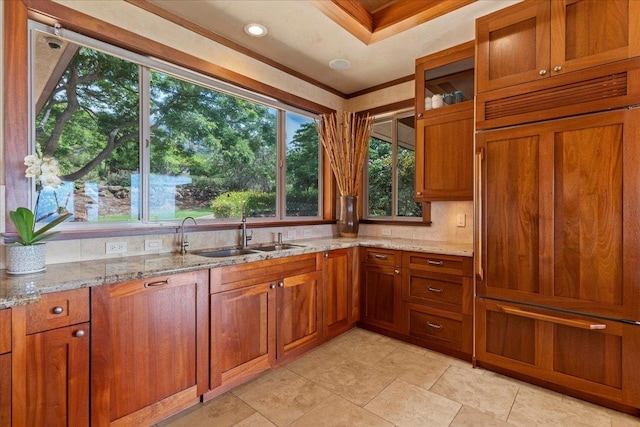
(365, 379)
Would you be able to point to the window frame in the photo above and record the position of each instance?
(147, 65)
(394, 117)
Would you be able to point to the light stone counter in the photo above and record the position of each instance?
(19, 290)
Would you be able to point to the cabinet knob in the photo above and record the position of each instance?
(326, 254)
(419, 193)
(396, 271)
(272, 286)
(419, 115)
(79, 333)
(557, 68)
(58, 310)
(281, 284)
(542, 72)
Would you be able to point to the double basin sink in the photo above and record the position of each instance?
(224, 253)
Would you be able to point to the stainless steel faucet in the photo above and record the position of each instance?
(245, 236)
(184, 244)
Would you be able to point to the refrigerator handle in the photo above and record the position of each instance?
(575, 323)
(478, 198)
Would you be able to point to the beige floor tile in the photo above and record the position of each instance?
(225, 410)
(413, 368)
(364, 346)
(339, 412)
(623, 420)
(485, 393)
(408, 405)
(543, 408)
(282, 396)
(354, 381)
(468, 417)
(317, 361)
(255, 420)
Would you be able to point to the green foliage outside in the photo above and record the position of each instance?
(229, 205)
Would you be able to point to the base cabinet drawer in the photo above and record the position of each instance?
(595, 358)
(439, 329)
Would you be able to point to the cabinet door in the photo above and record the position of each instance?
(338, 292)
(558, 229)
(543, 345)
(243, 334)
(299, 308)
(513, 46)
(444, 155)
(586, 33)
(149, 339)
(57, 383)
(5, 390)
(381, 292)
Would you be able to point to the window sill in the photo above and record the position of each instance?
(418, 223)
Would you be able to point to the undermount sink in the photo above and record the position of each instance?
(223, 253)
(277, 247)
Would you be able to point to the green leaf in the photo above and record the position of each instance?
(24, 221)
(39, 235)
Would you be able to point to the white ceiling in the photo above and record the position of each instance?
(303, 39)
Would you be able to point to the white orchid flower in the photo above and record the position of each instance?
(50, 180)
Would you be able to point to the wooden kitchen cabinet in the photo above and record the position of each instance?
(437, 293)
(381, 289)
(340, 302)
(5, 368)
(50, 361)
(537, 39)
(444, 136)
(150, 348)
(262, 314)
(594, 357)
(444, 155)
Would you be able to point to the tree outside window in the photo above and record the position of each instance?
(136, 143)
(390, 170)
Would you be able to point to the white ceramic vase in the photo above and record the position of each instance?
(26, 259)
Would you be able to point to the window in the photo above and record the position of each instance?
(141, 141)
(390, 170)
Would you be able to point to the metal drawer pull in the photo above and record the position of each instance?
(281, 284)
(79, 333)
(434, 325)
(272, 286)
(381, 256)
(582, 324)
(432, 262)
(158, 283)
(58, 310)
(436, 290)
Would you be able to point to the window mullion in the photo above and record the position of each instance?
(281, 165)
(394, 167)
(145, 145)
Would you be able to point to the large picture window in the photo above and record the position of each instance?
(141, 141)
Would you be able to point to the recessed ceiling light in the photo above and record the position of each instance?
(255, 30)
(340, 64)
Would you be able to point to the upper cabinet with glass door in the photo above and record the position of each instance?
(537, 39)
(444, 79)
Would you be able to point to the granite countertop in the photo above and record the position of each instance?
(19, 290)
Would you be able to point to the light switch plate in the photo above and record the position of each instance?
(461, 221)
(386, 231)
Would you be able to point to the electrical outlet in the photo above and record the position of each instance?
(306, 232)
(291, 234)
(152, 245)
(386, 231)
(461, 221)
(116, 248)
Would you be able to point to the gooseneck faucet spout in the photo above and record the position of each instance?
(245, 236)
(184, 244)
